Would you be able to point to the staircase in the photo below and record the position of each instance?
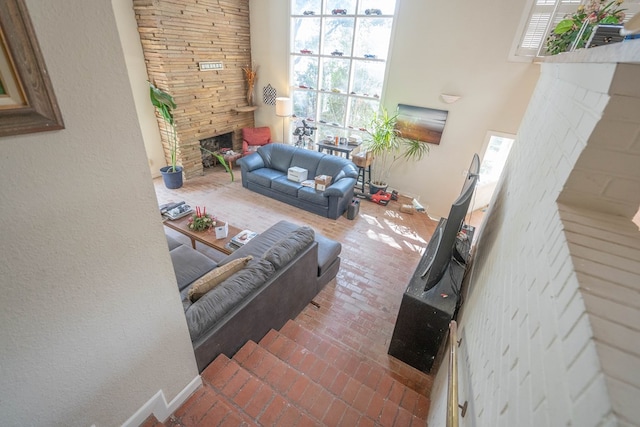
(296, 377)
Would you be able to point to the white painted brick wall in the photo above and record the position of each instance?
(551, 325)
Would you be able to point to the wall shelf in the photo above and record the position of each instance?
(246, 109)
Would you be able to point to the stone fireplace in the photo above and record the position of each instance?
(178, 35)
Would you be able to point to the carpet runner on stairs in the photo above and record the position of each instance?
(298, 378)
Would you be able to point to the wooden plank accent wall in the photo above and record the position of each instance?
(178, 34)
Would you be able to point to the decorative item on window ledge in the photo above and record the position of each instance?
(250, 75)
(201, 220)
(574, 31)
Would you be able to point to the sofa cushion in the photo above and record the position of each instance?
(173, 243)
(328, 251)
(263, 242)
(277, 156)
(288, 247)
(333, 165)
(284, 185)
(313, 196)
(189, 265)
(307, 159)
(215, 277)
(215, 304)
(264, 176)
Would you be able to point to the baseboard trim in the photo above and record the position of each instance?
(159, 407)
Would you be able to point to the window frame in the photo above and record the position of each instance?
(345, 129)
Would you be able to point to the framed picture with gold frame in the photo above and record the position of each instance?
(27, 101)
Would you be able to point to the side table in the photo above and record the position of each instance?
(340, 148)
(230, 158)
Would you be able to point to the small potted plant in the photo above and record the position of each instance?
(387, 145)
(164, 103)
(201, 220)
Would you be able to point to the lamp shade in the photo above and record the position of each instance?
(284, 107)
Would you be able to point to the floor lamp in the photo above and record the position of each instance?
(284, 108)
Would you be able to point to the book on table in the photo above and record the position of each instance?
(242, 238)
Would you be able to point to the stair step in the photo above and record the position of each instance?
(399, 371)
(248, 400)
(152, 421)
(346, 400)
(293, 342)
(363, 330)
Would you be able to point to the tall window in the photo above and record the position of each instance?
(543, 17)
(339, 51)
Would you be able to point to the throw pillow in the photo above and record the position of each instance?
(215, 277)
(203, 315)
(289, 246)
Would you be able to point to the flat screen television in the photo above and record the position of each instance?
(445, 237)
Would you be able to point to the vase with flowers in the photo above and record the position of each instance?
(201, 220)
(575, 30)
(250, 74)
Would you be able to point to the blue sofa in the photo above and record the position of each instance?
(265, 172)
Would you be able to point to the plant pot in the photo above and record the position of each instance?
(172, 180)
(374, 188)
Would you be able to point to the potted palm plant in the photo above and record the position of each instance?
(171, 174)
(387, 145)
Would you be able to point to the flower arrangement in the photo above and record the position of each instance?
(201, 220)
(569, 29)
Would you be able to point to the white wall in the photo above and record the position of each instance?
(138, 78)
(439, 47)
(270, 51)
(90, 321)
(550, 327)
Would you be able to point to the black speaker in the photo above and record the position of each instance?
(422, 325)
(353, 209)
(421, 329)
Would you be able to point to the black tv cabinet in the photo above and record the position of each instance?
(423, 318)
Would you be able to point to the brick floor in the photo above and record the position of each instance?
(329, 366)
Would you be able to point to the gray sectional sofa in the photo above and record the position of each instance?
(265, 172)
(274, 287)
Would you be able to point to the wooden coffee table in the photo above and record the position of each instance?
(205, 237)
